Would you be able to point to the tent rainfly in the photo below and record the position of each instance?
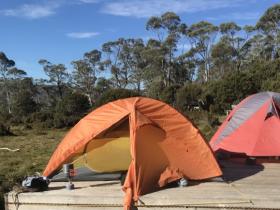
(150, 139)
(252, 127)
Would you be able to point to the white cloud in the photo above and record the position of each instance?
(81, 2)
(82, 35)
(245, 15)
(147, 8)
(236, 16)
(32, 11)
(89, 1)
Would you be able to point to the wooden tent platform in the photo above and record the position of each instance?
(246, 187)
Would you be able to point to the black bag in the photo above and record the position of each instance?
(35, 183)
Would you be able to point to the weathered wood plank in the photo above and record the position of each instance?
(247, 187)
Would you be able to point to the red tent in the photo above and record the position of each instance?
(252, 127)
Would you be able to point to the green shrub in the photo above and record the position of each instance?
(4, 131)
(22, 106)
(207, 130)
(154, 89)
(231, 90)
(213, 121)
(114, 94)
(197, 116)
(70, 110)
(189, 96)
(41, 119)
(168, 94)
(73, 104)
(41, 116)
(5, 116)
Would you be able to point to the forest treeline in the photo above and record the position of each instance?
(188, 66)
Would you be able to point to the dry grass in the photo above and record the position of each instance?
(35, 148)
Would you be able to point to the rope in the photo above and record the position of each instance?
(209, 206)
(8, 149)
(16, 191)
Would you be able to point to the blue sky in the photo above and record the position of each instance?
(63, 30)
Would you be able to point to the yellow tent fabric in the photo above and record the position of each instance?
(109, 152)
(106, 155)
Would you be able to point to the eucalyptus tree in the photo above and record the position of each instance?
(24, 99)
(57, 74)
(93, 58)
(238, 42)
(85, 73)
(8, 71)
(186, 65)
(269, 25)
(259, 48)
(167, 24)
(169, 30)
(155, 69)
(230, 29)
(113, 62)
(222, 58)
(154, 24)
(124, 61)
(103, 85)
(133, 59)
(202, 36)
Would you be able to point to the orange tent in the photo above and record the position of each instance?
(164, 145)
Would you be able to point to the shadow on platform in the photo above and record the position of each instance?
(236, 169)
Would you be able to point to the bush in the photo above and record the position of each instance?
(43, 125)
(154, 89)
(207, 130)
(206, 122)
(62, 120)
(4, 115)
(168, 94)
(4, 131)
(197, 116)
(189, 96)
(23, 105)
(41, 119)
(41, 116)
(115, 94)
(73, 103)
(231, 90)
(213, 121)
(70, 110)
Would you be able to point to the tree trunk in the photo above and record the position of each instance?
(89, 99)
(139, 86)
(8, 101)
